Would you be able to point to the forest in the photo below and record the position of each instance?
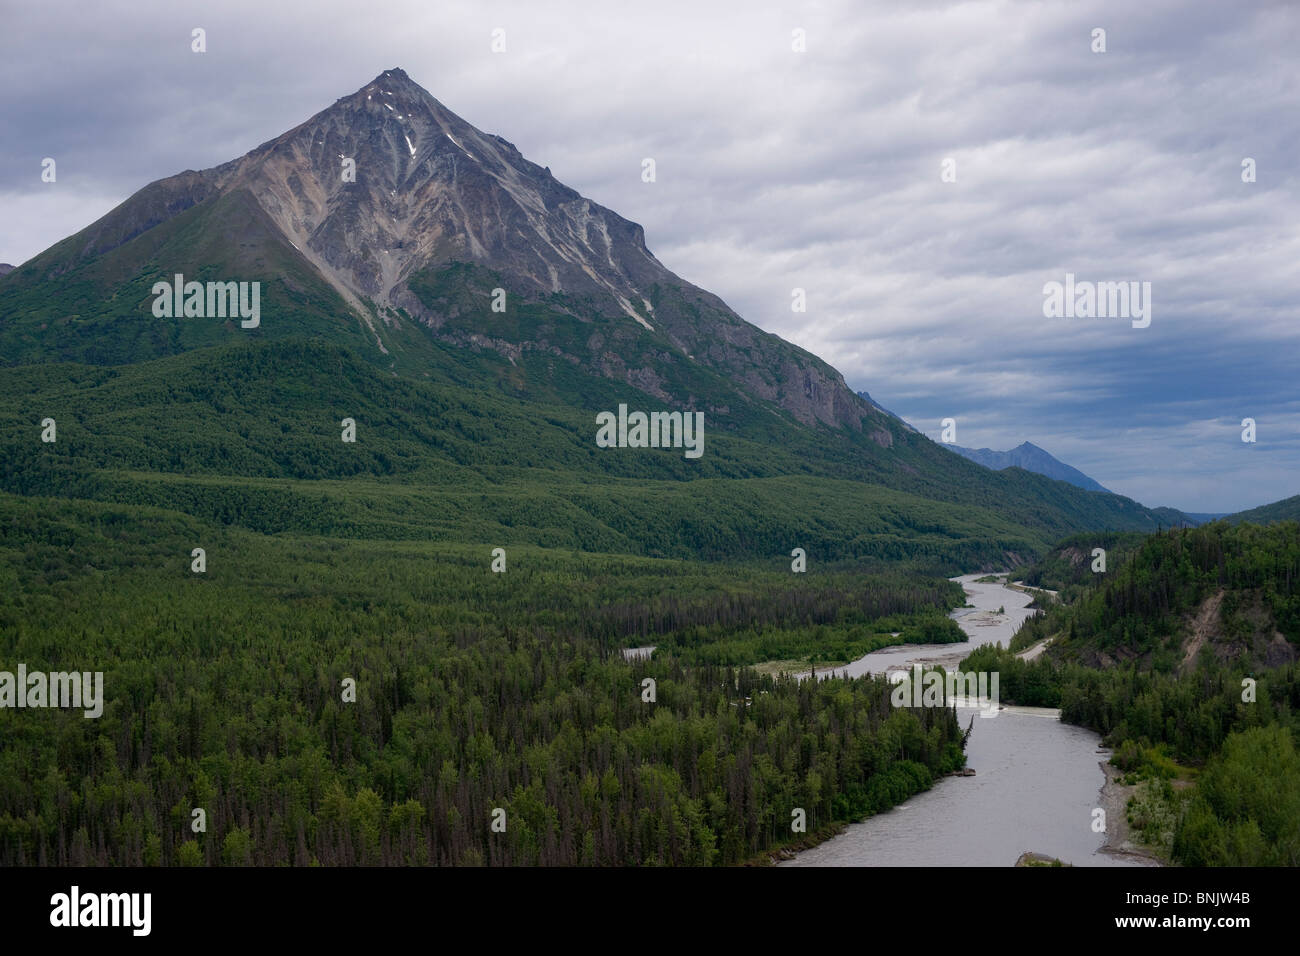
(328, 562)
(1138, 609)
(474, 692)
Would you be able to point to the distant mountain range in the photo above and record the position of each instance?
(1027, 456)
(5, 268)
(1031, 458)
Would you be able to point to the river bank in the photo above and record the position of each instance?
(1036, 785)
(1115, 795)
(993, 613)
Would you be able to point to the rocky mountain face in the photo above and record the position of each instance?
(1031, 458)
(866, 397)
(387, 189)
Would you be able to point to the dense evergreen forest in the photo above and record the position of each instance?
(474, 691)
(328, 562)
(1226, 717)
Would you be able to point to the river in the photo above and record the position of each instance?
(1037, 780)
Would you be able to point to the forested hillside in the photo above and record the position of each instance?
(1230, 592)
(474, 691)
(1184, 658)
(249, 434)
(1288, 509)
(1067, 568)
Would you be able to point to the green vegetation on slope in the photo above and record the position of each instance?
(65, 307)
(250, 434)
(1288, 509)
(1067, 567)
(1235, 588)
(1246, 807)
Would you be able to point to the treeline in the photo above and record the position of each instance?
(835, 597)
(1190, 716)
(754, 519)
(226, 691)
(834, 617)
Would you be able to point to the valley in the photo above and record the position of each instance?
(1037, 780)
(451, 611)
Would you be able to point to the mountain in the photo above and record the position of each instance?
(1288, 509)
(430, 190)
(1031, 458)
(5, 268)
(130, 438)
(377, 303)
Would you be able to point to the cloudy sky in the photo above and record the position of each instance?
(820, 169)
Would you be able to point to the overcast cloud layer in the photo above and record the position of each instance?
(818, 170)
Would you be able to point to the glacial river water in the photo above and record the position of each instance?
(1037, 780)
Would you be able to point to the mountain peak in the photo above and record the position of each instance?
(1030, 457)
(395, 80)
(415, 218)
(389, 182)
